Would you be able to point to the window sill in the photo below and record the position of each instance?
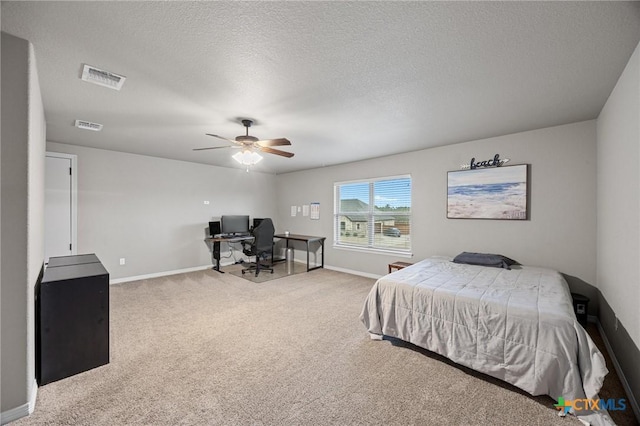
(397, 253)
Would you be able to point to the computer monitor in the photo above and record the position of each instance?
(234, 224)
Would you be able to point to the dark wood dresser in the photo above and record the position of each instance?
(72, 317)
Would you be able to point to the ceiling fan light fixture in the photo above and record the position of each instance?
(247, 157)
(250, 146)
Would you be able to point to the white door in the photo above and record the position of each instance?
(59, 209)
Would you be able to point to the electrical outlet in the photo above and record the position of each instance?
(122, 261)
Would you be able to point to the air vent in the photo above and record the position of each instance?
(102, 78)
(88, 125)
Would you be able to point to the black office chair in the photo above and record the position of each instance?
(261, 247)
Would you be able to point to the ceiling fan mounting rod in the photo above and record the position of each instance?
(247, 123)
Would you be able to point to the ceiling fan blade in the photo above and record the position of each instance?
(211, 147)
(223, 138)
(274, 142)
(275, 151)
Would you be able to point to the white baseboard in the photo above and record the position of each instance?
(14, 414)
(177, 271)
(34, 395)
(616, 366)
(160, 274)
(22, 410)
(353, 272)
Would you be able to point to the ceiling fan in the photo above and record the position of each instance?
(251, 144)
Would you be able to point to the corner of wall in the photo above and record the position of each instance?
(618, 225)
(22, 240)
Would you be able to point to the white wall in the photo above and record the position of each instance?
(151, 211)
(559, 235)
(23, 142)
(618, 185)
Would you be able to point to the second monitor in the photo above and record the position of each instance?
(234, 224)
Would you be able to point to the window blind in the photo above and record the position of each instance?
(373, 214)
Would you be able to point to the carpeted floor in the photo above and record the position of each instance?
(215, 349)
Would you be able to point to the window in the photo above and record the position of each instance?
(373, 214)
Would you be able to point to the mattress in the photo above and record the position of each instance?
(517, 325)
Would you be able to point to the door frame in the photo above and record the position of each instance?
(74, 196)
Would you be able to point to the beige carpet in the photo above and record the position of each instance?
(214, 349)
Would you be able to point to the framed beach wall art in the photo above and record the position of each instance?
(488, 193)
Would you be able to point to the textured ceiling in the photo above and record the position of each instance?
(344, 81)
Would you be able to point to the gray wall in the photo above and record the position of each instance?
(559, 235)
(151, 211)
(619, 198)
(618, 236)
(23, 142)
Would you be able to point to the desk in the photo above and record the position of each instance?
(307, 239)
(215, 248)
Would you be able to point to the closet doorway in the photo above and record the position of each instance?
(60, 206)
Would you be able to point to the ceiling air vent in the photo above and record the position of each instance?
(88, 125)
(103, 78)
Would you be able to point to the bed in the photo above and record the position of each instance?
(517, 325)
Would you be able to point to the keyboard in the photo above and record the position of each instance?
(233, 237)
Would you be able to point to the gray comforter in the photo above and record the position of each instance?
(517, 325)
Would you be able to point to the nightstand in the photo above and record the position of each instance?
(398, 265)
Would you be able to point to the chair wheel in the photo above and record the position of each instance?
(272, 271)
(243, 272)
